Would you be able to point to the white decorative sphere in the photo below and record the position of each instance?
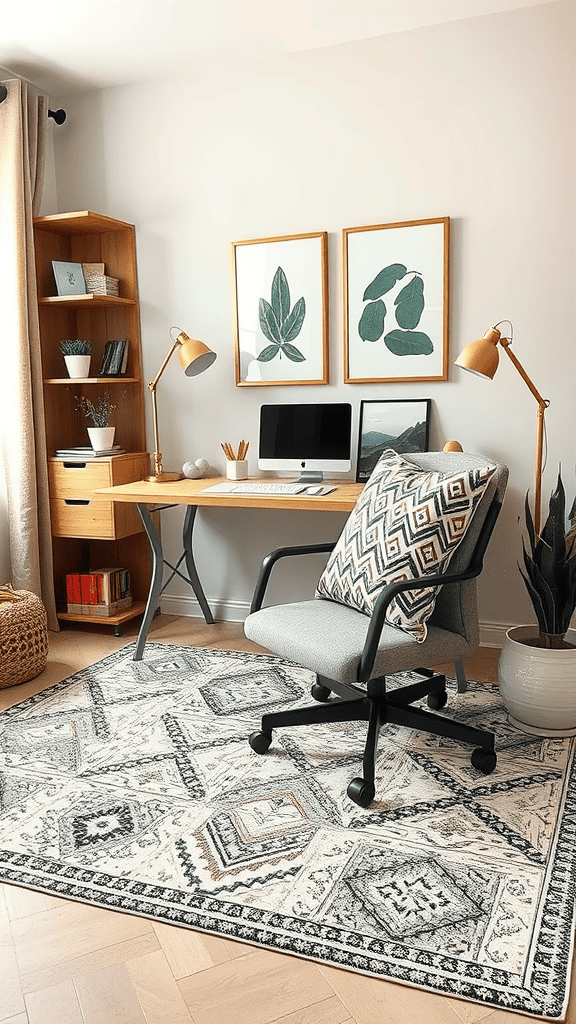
(191, 471)
(203, 466)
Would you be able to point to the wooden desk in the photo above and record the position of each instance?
(155, 497)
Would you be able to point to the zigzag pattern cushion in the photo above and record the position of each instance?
(407, 522)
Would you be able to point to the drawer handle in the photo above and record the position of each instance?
(74, 465)
(76, 501)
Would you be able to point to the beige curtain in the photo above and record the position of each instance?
(23, 117)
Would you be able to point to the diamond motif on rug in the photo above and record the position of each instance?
(132, 786)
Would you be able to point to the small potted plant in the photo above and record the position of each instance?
(101, 434)
(76, 356)
(537, 668)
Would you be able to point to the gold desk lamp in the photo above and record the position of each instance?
(481, 357)
(195, 357)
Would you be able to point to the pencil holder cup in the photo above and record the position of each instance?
(237, 469)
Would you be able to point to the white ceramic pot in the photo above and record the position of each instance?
(101, 438)
(538, 686)
(77, 366)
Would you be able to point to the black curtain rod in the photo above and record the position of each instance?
(58, 115)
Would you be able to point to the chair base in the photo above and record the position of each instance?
(377, 707)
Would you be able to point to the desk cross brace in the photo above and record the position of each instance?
(157, 586)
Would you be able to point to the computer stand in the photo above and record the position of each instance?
(310, 476)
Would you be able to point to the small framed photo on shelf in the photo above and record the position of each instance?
(281, 309)
(69, 278)
(396, 302)
(400, 425)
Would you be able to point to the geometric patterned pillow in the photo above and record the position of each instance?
(406, 523)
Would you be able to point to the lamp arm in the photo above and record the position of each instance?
(505, 342)
(543, 404)
(153, 383)
(152, 389)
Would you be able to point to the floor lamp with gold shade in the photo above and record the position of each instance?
(481, 357)
(195, 357)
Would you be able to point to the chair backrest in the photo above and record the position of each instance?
(455, 607)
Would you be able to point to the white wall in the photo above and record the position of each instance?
(471, 119)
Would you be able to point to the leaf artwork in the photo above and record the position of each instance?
(408, 308)
(280, 324)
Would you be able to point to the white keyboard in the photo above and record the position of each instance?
(267, 488)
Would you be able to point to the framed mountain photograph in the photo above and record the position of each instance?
(281, 309)
(402, 426)
(396, 302)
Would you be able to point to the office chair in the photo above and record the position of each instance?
(353, 646)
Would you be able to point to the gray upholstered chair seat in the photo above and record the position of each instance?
(328, 639)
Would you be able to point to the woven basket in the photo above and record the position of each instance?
(23, 636)
(101, 285)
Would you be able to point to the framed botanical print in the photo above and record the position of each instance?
(400, 425)
(281, 310)
(69, 278)
(396, 301)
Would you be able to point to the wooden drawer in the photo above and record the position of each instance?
(80, 479)
(77, 512)
(93, 517)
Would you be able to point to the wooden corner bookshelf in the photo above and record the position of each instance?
(87, 532)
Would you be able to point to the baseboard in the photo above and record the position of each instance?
(492, 634)
(226, 611)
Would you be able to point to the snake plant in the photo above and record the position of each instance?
(75, 347)
(550, 570)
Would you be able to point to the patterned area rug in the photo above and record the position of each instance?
(131, 785)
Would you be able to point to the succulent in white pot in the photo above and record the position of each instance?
(537, 666)
(100, 433)
(77, 354)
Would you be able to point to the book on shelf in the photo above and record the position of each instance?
(114, 358)
(100, 611)
(101, 592)
(82, 453)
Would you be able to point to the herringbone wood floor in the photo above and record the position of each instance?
(68, 963)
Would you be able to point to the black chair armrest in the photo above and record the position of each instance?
(270, 560)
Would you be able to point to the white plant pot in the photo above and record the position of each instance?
(537, 685)
(101, 438)
(77, 366)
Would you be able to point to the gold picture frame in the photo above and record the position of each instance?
(281, 310)
(396, 301)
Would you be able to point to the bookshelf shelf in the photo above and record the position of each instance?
(137, 608)
(86, 532)
(92, 380)
(85, 300)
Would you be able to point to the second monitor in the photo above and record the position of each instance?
(312, 439)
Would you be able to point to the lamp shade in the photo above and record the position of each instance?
(194, 355)
(481, 356)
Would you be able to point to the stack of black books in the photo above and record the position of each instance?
(114, 359)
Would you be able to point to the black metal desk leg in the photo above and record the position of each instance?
(191, 565)
(156, 581)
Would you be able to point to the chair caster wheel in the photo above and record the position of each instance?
(259, 741)
(437, 700)
(320, 692)
(484, 760)
(361, 792)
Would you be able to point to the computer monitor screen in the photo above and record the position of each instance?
(312, 439)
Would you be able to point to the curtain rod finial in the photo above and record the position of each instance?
(58, 115)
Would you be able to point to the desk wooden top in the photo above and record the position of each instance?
(193, 492)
